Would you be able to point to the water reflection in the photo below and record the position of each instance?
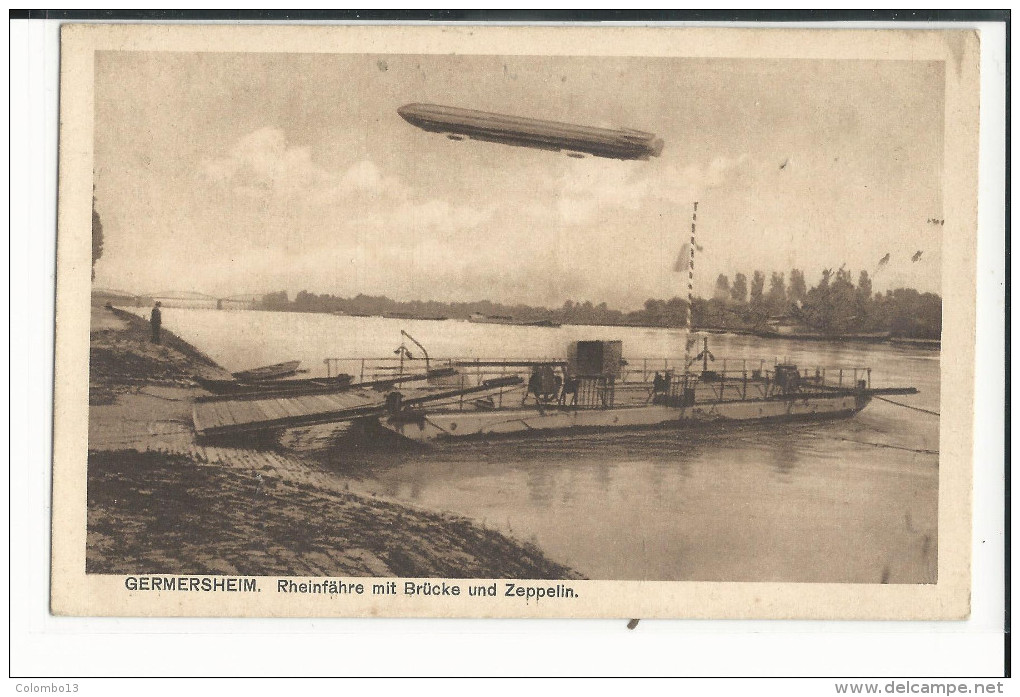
(783, 456)
(541, 484)
(792, 503)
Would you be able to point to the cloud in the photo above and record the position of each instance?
(262, 161)
(362, 176)
(593, 189)
(263, 164)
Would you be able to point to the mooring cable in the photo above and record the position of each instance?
(921, 451)
(900, 404)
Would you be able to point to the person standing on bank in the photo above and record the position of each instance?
(157, 322)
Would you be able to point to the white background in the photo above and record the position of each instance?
(42, 645)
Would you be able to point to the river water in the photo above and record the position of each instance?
(851, 500)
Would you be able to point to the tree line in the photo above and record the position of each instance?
(834, 306)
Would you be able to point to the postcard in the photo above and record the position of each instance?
(544, 321)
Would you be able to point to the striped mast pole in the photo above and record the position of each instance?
(690, 290)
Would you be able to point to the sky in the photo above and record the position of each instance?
(239, 173)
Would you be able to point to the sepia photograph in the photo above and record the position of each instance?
(506, 322)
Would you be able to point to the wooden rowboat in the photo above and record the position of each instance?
(268, 372)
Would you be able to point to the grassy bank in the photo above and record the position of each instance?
(160, 503)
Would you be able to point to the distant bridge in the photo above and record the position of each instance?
(178, 298)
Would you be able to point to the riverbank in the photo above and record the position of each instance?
(158, 502)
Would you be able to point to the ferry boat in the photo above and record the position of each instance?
(593, 389)
(590, 392)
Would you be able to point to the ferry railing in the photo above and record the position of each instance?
(731, 384)
(367, 369)
(726, 378)
(635, 369)
(644, 369)
(594, 393)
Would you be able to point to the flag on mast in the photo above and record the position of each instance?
(683, 258)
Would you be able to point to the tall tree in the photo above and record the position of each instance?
(831, 306)
(843, 304)
(864, 286)
(776, 298)
(865, 304)
(798, 288)
(757, 287)
(738, 291)
(826, 278)
(97, 237)
(722, 287)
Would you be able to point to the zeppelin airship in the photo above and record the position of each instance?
(576, 141)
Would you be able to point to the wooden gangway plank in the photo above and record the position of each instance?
(227, 416)
(291, 405)
(249, 415)
(275, 408)
(240, 416)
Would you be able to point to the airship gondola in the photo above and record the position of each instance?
(456, 124)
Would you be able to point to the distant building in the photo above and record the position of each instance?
(786, 324)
